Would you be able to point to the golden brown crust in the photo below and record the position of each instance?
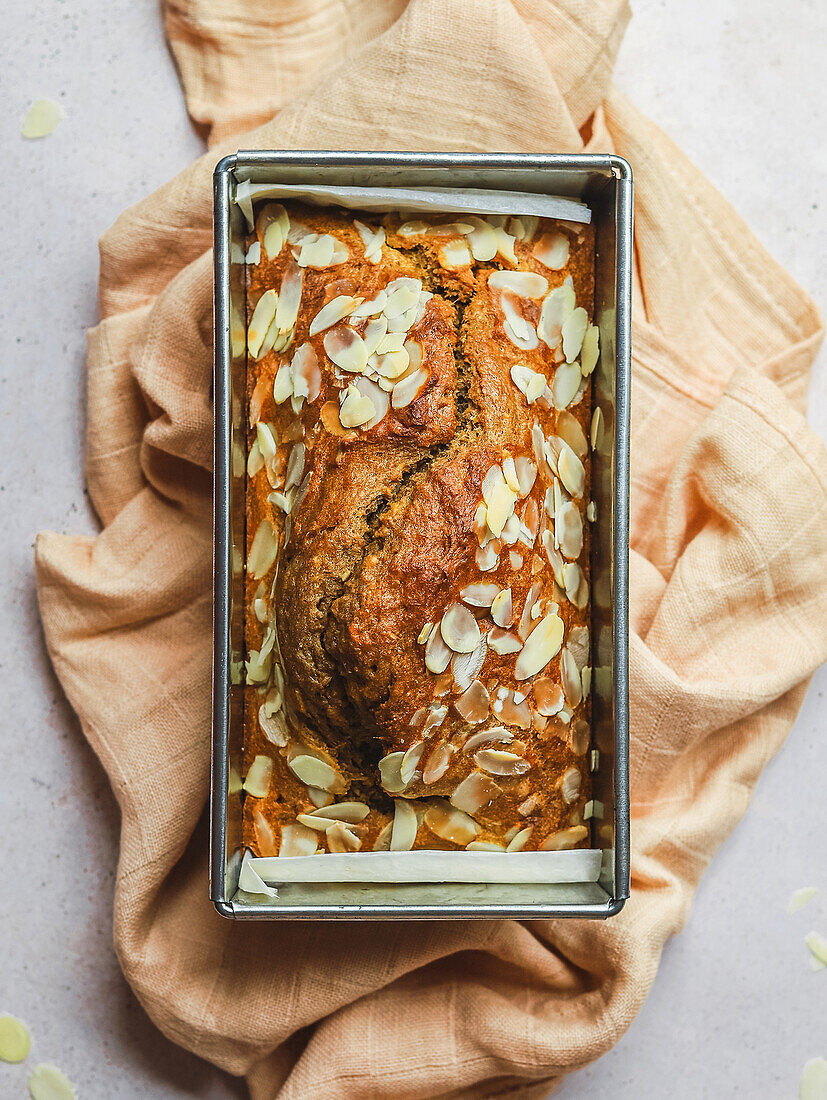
(387, 530)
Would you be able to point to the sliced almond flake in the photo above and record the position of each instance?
(409, 388)
(572, 471)
(316, 251)
(449, 229)
(297, 231)
(557, 308)
(272, 226)
(259, 774)
(519, 331)
(412, 229)
(392, 341)
(370, 308)
(41, 119)
(265, 838)
(425, 633)
(542, 644)
(252, 257)
(466, 666)
(487, 557)
(474, 792)
(295, 466)
(594, 760)
(450, 823)
(403, 321)
(258, 667)
(410, 761)
(435, 717)
(498, 734)
(255, 460)
(437, 764)
(260, 322)
(356, 409)
(530, 383)
(528, 806)
(454, 255)
(266, 441)
(501, 762)
(315, 773)
(393, 364)
(297, 840)
(526, 475)
(515, 711)
(282, 384)
(263, 551)
(437, 653)
(480, 595)
(570, 784)
(552, 250)
(338, 308)
(340, 839)
(511, 531)
(390, 772)
(515, 560)
(512, 832)
(260, 609)
(524, 627)
(473, 704)
(484, 846)
(569, 430)
(590, 351)
(518, 226)
(573, 330)
(14, 1039)
(801, 897)
(565, 384)
(482, 239)
(591, 511)
(378, 398)
(813, 1082)
(520, 839)
(564, 839)
(350, 812)
(500, 501)
(586, 681)
(272, 723)
(346, 349)
(502, 610)
(383, 841)
(510, 474)
(287, 310)
(568, 526)
(459, 629)
(817, 945)
(405, 826)
(597, 428)
(505, 244)
(570, 675)
(47, 1082)
(525, 284)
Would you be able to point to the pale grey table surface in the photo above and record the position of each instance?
(735, 1010)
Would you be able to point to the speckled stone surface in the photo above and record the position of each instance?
(735, 1010)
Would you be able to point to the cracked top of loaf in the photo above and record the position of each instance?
(417, 612)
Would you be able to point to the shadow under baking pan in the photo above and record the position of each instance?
(604, 183)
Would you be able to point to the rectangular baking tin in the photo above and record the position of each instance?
(605, 183)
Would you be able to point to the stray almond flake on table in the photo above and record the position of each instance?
(15, 1043)
(41, 118)
(813, 1083)
(47, 1082)
(801, 897)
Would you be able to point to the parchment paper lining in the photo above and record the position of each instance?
(444, 200)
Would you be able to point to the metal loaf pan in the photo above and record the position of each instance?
(605, 183)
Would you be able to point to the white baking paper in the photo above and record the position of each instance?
(577, 865)
(435, 200)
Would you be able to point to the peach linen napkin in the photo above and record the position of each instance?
(728, 563)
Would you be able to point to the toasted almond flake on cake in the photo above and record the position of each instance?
(297, 840)
(564, 839)
(336, 310)
(525, 284)
(409, 388)
(542, 644)
(390, 772)
(263, 551)
(459, 629)
(590, 350)
(552, 250)
(259, 774)
(450, 823)
(573, 330)
(474, 792)
(501, 762)
(405, 826)
(437, 653)
(520, 839)
(315, 773)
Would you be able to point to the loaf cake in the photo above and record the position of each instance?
(417, 561)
